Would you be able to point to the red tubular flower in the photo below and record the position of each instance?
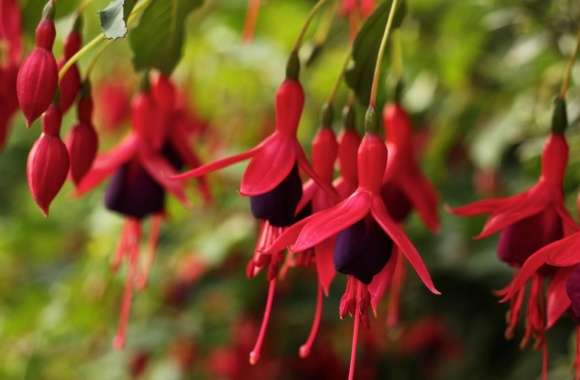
(11, 28)
(71, 81)
(112, 102)
(271, 178)
(48, 162)
(141, 170)
(528, 222)
(82, 141)
(356, 11)
(404, 183)
(38, 76)
(348, 143)
(364, 206)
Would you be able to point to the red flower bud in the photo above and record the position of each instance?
(48, 161)
(71, 81)
(372, 160)
(324, 151)
(38, 75)
(289, 105)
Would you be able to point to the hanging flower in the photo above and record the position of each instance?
(348, 143)
(112, 103)
(365, 233)
(271, 179)
(528, 222)
(140, 169)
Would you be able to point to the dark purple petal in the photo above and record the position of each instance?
(362, 250)
(278, 205)
(573, 291)
(397, 203)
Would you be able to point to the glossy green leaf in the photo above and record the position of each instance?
(359, 74)
(158, 40)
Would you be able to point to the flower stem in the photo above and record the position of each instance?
(137, 10)
(324, 28)
(568, 72)
(309, 19)
(339, 80)
(383, 45)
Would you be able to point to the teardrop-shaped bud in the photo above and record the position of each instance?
(324, 152)
(36, 83)
(48, 161)
(348, 143)
(45, 34)
(82, 144)
(362, 250)
(278, 206)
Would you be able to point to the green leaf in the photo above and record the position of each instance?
(158, 40)
(114, 18)
(359, 74)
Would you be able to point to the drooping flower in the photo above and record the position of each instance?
(271, 179)
(37, 79)
(348, 143)
(82, 141)
(355, 221)
(112, 103)
(71, 81)
(140, 168)
(48, 162)
(314, 199)
(527, 222)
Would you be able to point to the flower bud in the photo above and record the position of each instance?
(48, 162)
(71, 81)
(82, 144)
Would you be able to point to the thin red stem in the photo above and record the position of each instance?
(356, 328)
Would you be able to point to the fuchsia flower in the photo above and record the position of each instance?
(314, 199)
(37, 79)
(529, 222)
(141, 168)
(112, 103)
(356, 11)
(348, 143)
(10, 51)
(364, 230)
(271, 179)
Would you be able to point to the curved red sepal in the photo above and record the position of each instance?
(269, 166)
(287, 238)
(308, 191)
(561, 253)
(106, 163)
(163, 173)
(219, 164)
(323, 254)
(558, 301)
(485, 206)
(399, 237)
(327, 223)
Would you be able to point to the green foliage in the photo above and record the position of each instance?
(158, 40)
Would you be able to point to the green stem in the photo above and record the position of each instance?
(137, 10)
(377, 72)
(309, 19)
(332, 95)
(568, 73)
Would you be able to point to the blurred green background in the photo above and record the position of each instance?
(480, 79)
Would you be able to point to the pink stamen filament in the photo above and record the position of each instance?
(305, 349)
(255, 353)
(577, 361)
(544, 361)
(151, 250)
(121, 248)
(133, 234)
(353, 350)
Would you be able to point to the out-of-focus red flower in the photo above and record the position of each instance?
(112, 103)
(138, 364)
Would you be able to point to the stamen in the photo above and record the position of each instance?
(544, 361)
(151, 250)
(307, 347)
(357, 315)
(394, 301)
(121, 248)
(251, 19)
(255, 353)
(514, 313)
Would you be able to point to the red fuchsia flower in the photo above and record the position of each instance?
(71, 81)
(314, 199)
(82, 141)
(10, 50)
(356, 11)
(365, 234)
(529, 221)
(141, 168)
(271, 179)
(37, 79)
(48, 161)
(113, 104)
